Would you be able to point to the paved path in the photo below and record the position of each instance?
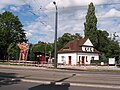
(90, 67)
(45, 66)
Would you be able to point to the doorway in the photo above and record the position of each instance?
(69, 60)
(83, 60)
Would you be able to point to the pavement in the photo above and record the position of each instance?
(64, 67)
(90, 67)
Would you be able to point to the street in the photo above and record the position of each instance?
(48, 79)
(34, 86)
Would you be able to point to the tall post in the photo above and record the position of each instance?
(55, 41)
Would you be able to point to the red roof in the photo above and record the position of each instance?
(76, 46)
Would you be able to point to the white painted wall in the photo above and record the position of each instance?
(89, 57)
(75, 58)
(88, 43)
(66, 58)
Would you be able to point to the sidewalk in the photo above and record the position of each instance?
(90, 67)
(64, 67)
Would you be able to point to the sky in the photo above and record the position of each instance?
(38, 17)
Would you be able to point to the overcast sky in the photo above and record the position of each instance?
(37, 16)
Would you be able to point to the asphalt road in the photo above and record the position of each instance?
(34, 86)
(45, 79)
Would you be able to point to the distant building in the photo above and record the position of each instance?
(78, 51)
(41, 57)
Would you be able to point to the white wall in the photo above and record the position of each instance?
(66, 59)
(89, 57)
(75, 58)
(88, 43)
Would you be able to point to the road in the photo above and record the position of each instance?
(36, 86)
(44, 79)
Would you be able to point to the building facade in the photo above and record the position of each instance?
(78, 51)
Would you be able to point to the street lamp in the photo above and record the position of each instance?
(55, 41)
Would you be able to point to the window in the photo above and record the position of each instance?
(79, 58)
(86, 59)
(62, 58)
(87, 49)
(91, 49)
(92, 58)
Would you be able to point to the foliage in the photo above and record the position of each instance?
(90, 24)
(10, 32)
(42, 47)
(13, 52)
(100, 38)
(49, 47)
(114, 49)
(31, 56)
(66, 38)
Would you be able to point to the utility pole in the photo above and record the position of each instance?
(55, 41)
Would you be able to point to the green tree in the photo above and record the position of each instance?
(43, 47)
(66, 38)
(10, 32)
(91, 24)
(114, 49)
(99, 38)
(102, 40)
(13, 52)
(31, 56)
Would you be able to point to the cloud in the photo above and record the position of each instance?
(70, 3)
(36, 31)
(4, 3)
(112, 13)
(15, 9)
(71, 16)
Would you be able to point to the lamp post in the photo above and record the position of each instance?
(55, 41)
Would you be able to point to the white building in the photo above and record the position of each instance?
(78, 51)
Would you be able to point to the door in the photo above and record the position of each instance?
(83, 60)
(69, 60)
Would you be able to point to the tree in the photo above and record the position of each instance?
(102, 40)
(90, 24)
(10, 32)
(99, 38)
(66, 38)
(114, 49)
(13, 52)
(42, 47)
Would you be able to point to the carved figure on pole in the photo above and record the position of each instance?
(23, 51)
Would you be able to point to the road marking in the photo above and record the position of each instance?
(73, 84)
